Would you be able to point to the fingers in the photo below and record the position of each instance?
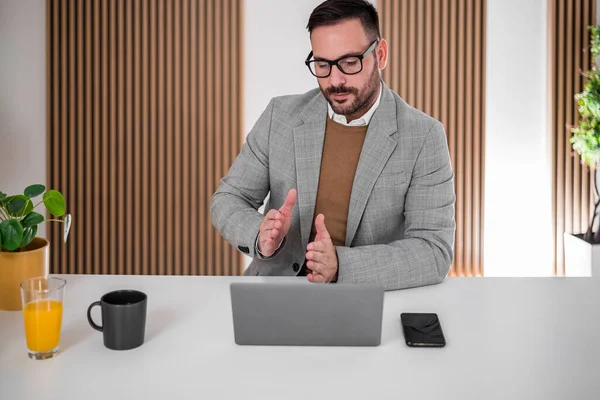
(316, 278)
(289, 202)
(316, 257)
(316, 246)
(320, 226)
(269, 224)
(315, 267)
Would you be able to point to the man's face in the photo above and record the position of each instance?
(349, 95)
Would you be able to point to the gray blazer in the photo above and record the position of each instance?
(400, 230)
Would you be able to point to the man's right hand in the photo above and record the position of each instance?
(275, 226)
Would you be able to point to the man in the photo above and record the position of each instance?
(361, 187)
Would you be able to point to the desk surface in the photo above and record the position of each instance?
(534, 338)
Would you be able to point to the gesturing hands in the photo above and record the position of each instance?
(275, 226)
(321, 257)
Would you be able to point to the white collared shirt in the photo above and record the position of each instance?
(362, 121)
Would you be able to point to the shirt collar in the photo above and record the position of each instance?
(362, 121)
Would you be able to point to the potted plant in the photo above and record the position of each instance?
(582, 251)
(22, 254)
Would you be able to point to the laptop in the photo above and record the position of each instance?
(304, 314)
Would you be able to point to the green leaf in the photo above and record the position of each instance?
(12, 234)
(55, 202)
(28, 235)
(2, 195)
(32, 219)
(15, 205)
(34, 190)
(18, 206)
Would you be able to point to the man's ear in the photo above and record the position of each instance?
(381, 52)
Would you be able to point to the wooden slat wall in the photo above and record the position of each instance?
(144, 116)
(437, 64)
(572, 183)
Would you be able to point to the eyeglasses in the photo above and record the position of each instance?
(349, 65)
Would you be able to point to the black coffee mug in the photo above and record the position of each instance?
(123, 318)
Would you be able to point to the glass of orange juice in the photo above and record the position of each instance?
(42, 313)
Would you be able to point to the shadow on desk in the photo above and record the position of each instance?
(159, 320)
(74, 334)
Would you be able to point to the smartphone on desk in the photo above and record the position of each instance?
(422, 330)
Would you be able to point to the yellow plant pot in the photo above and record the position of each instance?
(16, 267)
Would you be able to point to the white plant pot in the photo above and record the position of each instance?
(581, 258)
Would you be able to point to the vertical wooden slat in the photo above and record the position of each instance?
(113, 137)
(185, 146)
(468, 145)
(226, 267)
(71, 146)
(152, 47)
(151, 163)
(170, 137)
(437, 65)
(120, 173)
(203, 129)
(460, 149)
(193, 165)
(89, 264)
(140, 208)
(143, 119)
(237, 26)
(427, 61)
(210, 149)
(54, 157)
(412, 43)
(218, 125)
(177, 152)
(79, 173)
(445, 66)
(60, 153)
(95, 237)
(161, 129)
(441, 71)
(128, 248)
(105, 130)
(452, 101)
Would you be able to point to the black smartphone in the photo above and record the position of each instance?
(422, 330)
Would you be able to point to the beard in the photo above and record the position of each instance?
(362, 98)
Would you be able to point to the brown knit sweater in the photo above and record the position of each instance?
(341, 151)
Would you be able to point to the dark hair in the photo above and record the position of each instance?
(332, 12)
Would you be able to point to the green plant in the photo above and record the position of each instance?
(18, 220)
(586, 135)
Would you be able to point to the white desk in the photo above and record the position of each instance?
(506, 339)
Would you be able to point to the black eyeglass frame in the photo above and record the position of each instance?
(333, 63)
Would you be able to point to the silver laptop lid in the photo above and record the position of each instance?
(307, 314)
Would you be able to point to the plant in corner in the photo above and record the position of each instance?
(22, 254)
(586, 135)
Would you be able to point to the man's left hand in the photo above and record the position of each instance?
(321, 257)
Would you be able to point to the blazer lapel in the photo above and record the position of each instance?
(377, 149)
(308, 145)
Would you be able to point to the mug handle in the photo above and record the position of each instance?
(89, 316)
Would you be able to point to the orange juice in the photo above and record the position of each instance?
(42, 324)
